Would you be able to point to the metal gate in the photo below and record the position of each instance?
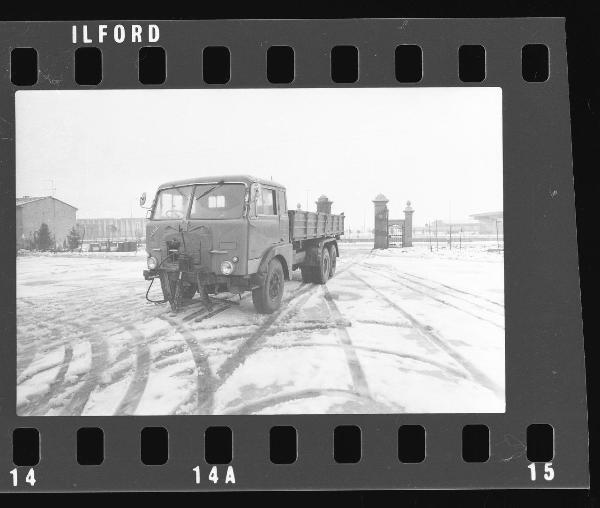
(395, 235)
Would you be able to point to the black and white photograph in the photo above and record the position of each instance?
(260, 251)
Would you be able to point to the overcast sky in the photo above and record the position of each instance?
(440, 148)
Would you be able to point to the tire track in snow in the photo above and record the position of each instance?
(266, 402)
(25, 359)
(302, 326)
(428, 334)
(99, 352)
(473, 299)
(417, 358)
(359, 380)
(446, 290)
(137, 386)
(248, 347)
(493, 302)
(205, 380)
(40, 406)
(428, 295)
(292, 306)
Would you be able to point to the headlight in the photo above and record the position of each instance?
(226, 267)
(152, 263)
(235, 259)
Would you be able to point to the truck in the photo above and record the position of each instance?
(233, 234)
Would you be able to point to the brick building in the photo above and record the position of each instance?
(33, 211)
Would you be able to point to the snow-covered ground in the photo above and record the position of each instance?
(397, 331)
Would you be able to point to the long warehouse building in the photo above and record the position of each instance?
(124, 229)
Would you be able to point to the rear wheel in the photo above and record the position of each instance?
(333, 256)
(267, 298)
(323, 270)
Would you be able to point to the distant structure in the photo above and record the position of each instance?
(392, 232)
(106, 229)
(486, 223)
(381, 222)
(323, 204)
(489, 222)
(33, 211)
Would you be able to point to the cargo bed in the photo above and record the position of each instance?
(310, 225)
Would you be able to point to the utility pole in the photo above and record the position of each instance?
(429, 236)
(52, 192)
(450, 222)
(364, 220)
(497, 240)
(52, 187)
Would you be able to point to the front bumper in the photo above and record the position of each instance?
(205, 278)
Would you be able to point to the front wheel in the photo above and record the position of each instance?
(176, 291)
(267, 298)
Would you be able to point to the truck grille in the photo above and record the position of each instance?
(192, 252)
(173, 249)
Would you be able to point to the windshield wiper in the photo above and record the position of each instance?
(219, 184)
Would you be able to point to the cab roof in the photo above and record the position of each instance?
(247, 179)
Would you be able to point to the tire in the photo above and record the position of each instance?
(177, 292)
(267, 298)
(185, 292)
(189, 291)
(322, 271)
(333, 260)
(165, 285)
(308, 274)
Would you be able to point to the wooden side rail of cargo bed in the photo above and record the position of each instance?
(309, 225)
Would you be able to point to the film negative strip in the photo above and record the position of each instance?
(356, 314)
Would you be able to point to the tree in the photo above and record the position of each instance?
(43, 238)
(73, 239)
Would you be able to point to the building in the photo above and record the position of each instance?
(33, 211)
(490, 222)
(101, 230)
(442, 227)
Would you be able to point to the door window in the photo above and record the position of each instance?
(282, 203)
(266, 202)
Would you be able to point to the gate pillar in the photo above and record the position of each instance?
(381, 222)
(323, 204)
(407, 236)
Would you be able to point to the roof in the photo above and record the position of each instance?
(381, 197)
(488, 215)
(30, 199)
(247, 179)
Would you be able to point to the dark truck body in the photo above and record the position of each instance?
(199, 235)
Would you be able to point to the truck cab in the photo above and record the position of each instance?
(211, 234)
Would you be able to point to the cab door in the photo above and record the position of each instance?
(264, 222)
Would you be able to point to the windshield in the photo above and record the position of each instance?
(225, 201)
(172, 203)
(221, 201)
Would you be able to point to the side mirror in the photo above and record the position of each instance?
(143, 199)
